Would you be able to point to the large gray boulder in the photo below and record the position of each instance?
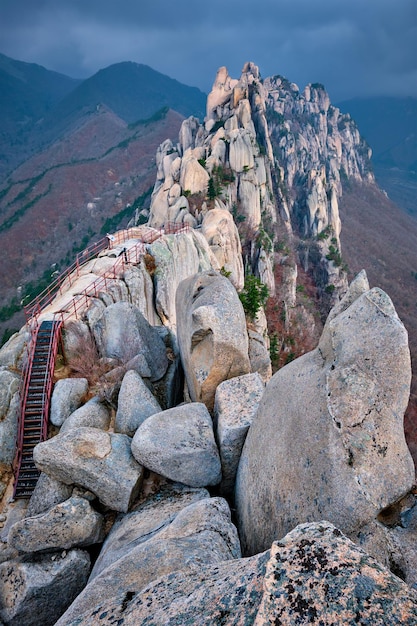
(39, 591)
(94, 414)
(69, 524)
(47, 493)
(235, 406)
(201, 533)
(179, 444)
(9, 413)
(122, 332)
(135, 403)
(99, 461)
(66, 398)
(145, 521)
(314, 575)
(177, 257)
(212, 334)
(220, 230)
(328, 438)
(259, 357)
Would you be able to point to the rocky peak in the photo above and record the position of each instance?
(276, 159)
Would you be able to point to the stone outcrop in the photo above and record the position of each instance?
(99, 461)
(66, 398)
(337, 444)
(38, 592)
(222, 236)
(144, 522)
(122, 332)
(325, 438)
(259, 357)
(69, 524)
(177, 258)
(93, 414)
(179, 444)
(212, 334)
(313, 575)
(135, 403)
(235, 406)
(201, 533)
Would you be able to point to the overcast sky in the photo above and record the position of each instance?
(354, 47)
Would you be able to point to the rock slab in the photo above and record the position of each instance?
(212, 334)
(336, 445)
(39, 591)
(69, 524)
(235, 406)
(179, 444)
(315, 575)
(201, 533)
(98, 461)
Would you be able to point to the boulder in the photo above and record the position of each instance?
(259, 357)
(177, 257)
(69, 524)
(13, 351)
(48, 492)
(241, 150)
(145, 521)
(179, 444)
(135, 404)
(335, 448)
(122, 332)
(212, 334)
(66, 398)
(99, 461)
(93, 414)
(193, 177)
(235, 406)
(314, 575)
(39, 591)
(223, 238)
(140, 286)
(9, 414)
(200, 534)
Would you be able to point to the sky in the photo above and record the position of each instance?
(356, 48)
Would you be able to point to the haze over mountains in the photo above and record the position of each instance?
(38, 106)
(390, 127)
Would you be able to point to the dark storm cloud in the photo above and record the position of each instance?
(354, 47)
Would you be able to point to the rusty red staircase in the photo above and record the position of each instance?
(36, 393)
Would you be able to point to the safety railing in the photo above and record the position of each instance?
(67, 277)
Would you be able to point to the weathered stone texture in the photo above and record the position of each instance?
(211, 334)
(328, 438)
(99, 461)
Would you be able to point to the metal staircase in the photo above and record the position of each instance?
(36, 393)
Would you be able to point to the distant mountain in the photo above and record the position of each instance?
(389, 125)
(27, 92)
(133, 91)
(37, 106)
(85, 184)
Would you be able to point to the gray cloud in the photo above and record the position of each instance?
(354, 47)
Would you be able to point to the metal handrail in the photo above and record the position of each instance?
(38, 303)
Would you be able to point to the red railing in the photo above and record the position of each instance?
(68, 277)
(80, 302)
(47, 383)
